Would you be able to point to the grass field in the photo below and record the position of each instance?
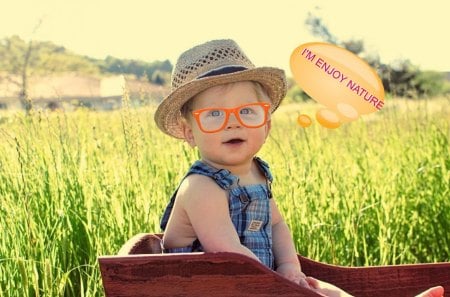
(74, 186)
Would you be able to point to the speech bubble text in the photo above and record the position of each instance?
(338, 79)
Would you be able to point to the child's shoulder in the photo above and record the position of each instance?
(196, 179)
(198, 187)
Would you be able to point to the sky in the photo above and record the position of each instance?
(267, 31)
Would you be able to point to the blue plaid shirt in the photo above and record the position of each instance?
(249, 210)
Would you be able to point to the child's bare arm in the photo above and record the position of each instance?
(206, 206)
(286, 260)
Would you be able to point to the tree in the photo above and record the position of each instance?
(318, 28)
(430, 84)
(20, 59)
(137, 67)
(20, 66)
(161, 78)
(17, 57)
(355, 46)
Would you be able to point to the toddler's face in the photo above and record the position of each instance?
(235, 143)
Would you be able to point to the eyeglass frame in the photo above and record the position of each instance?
(228, 111)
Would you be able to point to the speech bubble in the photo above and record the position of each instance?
(304, 120)
(338, 79)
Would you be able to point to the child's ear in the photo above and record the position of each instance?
(188, 135)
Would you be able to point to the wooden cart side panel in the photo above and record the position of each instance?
(198, 274)
(392, 280)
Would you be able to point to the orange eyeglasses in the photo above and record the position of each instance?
(211, 120)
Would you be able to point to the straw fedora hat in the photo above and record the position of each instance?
(207, 65)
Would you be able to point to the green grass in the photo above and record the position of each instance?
(74, 186)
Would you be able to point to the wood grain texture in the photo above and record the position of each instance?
(229, 274)
(393, 280)
(195, 274)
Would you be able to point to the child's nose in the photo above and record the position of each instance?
(233, 122)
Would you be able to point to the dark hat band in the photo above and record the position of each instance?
(223, 70)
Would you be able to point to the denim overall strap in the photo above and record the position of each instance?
(266, 170)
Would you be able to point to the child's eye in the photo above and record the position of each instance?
(215, 113)
(246, 110)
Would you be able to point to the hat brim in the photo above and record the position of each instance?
(168, 115)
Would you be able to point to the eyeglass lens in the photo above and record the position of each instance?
(252, 115)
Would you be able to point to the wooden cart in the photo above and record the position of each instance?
(141, 269)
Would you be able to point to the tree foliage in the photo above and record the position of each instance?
(319, 29)
(46, 57)
(140, 69)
